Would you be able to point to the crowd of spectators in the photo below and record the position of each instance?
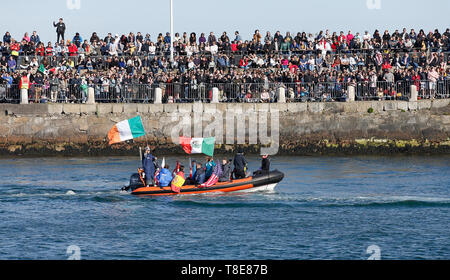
(136, 59)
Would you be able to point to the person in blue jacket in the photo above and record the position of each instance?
(148, 163)
(210, 164)
(165, 177)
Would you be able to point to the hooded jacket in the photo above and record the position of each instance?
(239, 162)
(164, 177)
(149, 166)
(226, 173)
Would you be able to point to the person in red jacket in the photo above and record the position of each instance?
(416, 80)
(49, 49)
(40, 50)
(73, 50)
(234, 46)
(178, 181)
(243, 63)
(15, 48)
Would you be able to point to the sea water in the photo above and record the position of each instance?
(325, 208)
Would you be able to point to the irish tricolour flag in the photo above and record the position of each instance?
(198, 145)
(126, 130)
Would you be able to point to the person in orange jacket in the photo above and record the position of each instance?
(178, 181)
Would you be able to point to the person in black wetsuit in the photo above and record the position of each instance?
(240, 164)
(265, 166)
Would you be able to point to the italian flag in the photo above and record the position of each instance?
(126, 130)
(198, 145)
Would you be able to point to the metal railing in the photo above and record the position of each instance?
(401, 90)
(382, 90)
(317, 92)
(438, 89)
(9, 93)
(127, 93)
(228, 92)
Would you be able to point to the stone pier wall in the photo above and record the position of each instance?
(304, 128)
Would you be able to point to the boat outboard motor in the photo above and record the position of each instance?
(135, 182)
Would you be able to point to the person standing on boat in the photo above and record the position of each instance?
(240, 164)
(148, 163)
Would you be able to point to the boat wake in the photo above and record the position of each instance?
(368, 202)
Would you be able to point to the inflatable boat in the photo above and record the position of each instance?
(256, 183)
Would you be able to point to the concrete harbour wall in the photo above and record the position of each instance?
(304, 128)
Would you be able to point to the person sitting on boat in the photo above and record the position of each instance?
(210, 164)
(226, 171)
(148, 163)
(214, 179)
(178, 181)
(165, 177)
(200, 175)
(265, 166)
(240, 165)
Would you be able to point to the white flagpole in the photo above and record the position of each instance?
(171, 31)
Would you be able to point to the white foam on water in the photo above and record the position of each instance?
(267, 188)
(70, 193)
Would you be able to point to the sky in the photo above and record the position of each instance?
(152, 16)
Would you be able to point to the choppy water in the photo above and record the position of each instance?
(326, 208)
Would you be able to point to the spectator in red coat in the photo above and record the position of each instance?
(40, 50)
(73, 50)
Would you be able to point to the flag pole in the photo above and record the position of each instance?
(171, 32)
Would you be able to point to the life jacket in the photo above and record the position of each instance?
(24, 83)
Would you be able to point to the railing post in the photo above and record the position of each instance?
(351, 93)
(414, 93)
(281, 95)
(158, 96)
(24, 96)
(215, 95)
(91, 96)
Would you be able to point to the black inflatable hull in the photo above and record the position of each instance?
(258, 182)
